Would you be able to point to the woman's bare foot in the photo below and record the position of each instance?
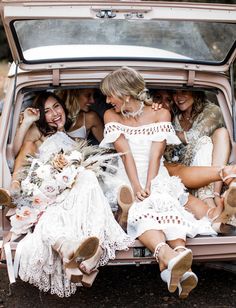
(214, 213)
(228, 174)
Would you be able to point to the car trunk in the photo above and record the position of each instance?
(79, 51)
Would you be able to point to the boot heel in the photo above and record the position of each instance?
(74, 274)
(125, 200)
(87, 280)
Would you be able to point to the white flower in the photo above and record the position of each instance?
(28, 187)
(41, 200)
(66, 177)
(44, 172)
(75, 155)
(175, 158)
(49, 188)
(24, 218)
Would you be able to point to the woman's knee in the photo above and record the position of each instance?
(174, 168)
(220, 134)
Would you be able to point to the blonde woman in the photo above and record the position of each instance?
(158, 215)
(84, 121)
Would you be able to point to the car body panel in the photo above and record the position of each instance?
(20, 17)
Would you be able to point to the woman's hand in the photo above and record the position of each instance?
(140, 193)
(148, 190)
(156, 106)
(30, 115)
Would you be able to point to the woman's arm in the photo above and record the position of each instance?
(122, 146)
(157, 151)
(94, 123)
(30, 115)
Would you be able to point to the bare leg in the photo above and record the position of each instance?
(151, 239)
(220, 140)
(200, 209)
(176, 243)
(194, 177)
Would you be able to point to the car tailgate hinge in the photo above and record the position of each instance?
(106, 14)
(56, 77)
(191, 78)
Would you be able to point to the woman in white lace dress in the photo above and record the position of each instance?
(75, 231)
(158, 216)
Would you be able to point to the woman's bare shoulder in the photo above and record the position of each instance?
(92, 119)
(111, 116)
(91, 115)
(160, 115)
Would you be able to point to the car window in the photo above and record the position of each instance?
(52, 39)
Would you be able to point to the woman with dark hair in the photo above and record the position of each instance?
(74, 230)
(81, 121)
(47, 128)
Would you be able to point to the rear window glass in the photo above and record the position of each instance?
(53, 39)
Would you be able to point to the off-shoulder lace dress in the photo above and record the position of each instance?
(83, 211)
(164, 208)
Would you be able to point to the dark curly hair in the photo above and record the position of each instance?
(42, 124)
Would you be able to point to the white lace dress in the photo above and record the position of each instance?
(164, 208)
(82, 211)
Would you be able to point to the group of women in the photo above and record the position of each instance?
(77, 232)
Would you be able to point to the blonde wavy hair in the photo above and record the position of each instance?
(71, 100)
(126, 81)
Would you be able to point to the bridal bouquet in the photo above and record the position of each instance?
(45, 183)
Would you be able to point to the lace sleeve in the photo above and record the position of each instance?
(206, 123)
(112, 132)
(151, 132)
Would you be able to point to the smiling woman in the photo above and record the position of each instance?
(74, 230)
(74, 45)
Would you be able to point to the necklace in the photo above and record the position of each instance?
(189, 119)
(136, 113)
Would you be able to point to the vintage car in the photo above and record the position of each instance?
(74, 44)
